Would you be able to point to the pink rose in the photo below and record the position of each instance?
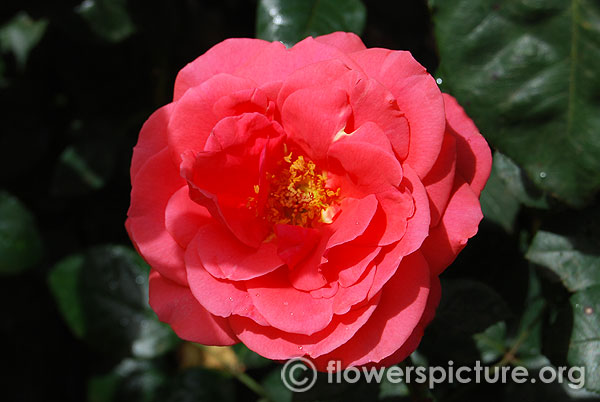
(304, 201)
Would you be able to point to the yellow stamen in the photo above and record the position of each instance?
(298, 195)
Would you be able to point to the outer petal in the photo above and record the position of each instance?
(417, 229)
(459, 223)
(311, 76)
(347, 42)
(276, 63)
(275, 344)
(183, 217)
(152, 188)
(398, 313)
(440, 179)
(220, 297)
(474, 158)
(287, 308)
(152, 139)
(418, 96)
(414, 339)
(224, 57)
(175, 305)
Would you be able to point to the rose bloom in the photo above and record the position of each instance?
(303, 201)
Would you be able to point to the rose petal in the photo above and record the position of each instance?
(474, 158)
(459, 223)
(367, 133)
(287, 308)
(245, 101)
(175, 305)
(194, 118)
(152, 188)
(417, 227)
(225, 257)
(347, 42)
(152, 139)
(418, 96)
(294, 243)
(220, 297)
(398, 312)
(357, 177)
(183, 217)
(372, 102)
(276, 63)
(414, 339)
(349, 261)
(216, 60)
(346, 297)
(398, 207)
(279, 345)
(310, 76)
(353, 220)
(312, 117)
(327, 292)
(223, 179)
(307, 275)
(440, 179)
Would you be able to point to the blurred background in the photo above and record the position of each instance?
(77, 81)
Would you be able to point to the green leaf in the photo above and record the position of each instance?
(74, 161)
(497, 204)
(103, 295)
(576, 261)
(84, 167)
(584, 349)
(529, 352)
(528, 72)
(20, 35)
(525, 347)
(517, 183)
(108, 19)
(63, 281)
(576, 269)
(274, 387)
(491, 343)
(20, 241)
(290, 21)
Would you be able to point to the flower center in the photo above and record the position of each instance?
(298, 195)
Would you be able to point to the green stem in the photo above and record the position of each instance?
(251, 384)
(242, 377)
(511, 356)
